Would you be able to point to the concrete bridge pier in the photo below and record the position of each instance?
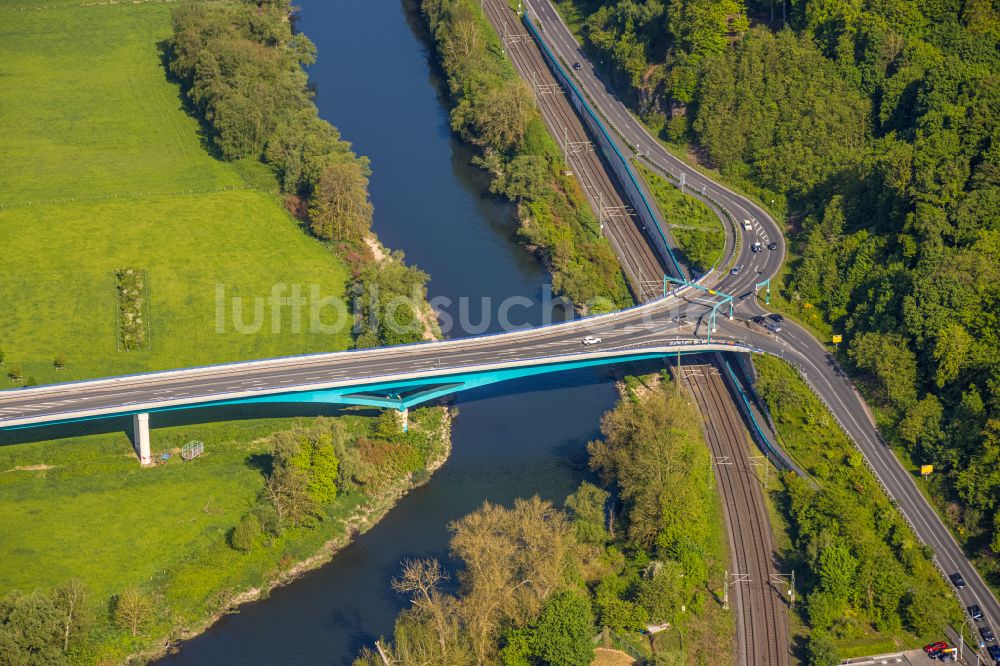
(404, 418)
(140, 438)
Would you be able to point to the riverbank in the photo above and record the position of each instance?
(168, 531)
(118, 244)
(362, 518)
(493, 109)
(633, 565)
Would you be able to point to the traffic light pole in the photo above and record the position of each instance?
(726, 298)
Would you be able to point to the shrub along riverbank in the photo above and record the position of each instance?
(539, 583)
(241, 66)
(494, 110)
(155, 555)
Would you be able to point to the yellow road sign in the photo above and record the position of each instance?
(837, 339)
(926, 470)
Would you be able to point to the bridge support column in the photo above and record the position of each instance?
(140, 438)
(404, 418)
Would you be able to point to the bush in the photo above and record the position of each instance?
(245, 534)
(562, 635)
(822, 650)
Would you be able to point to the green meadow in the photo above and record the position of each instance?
(83, 508)
(102, 167)
(697, 230)
(98, 140)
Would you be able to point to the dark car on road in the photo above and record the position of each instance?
(577, 66)
(975, 612)
(772, 246)
(736, 269)
(987, 634)
(759, 319)
(957, 580)
(776, 317)
(994, 652)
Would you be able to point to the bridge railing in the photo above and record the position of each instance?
(580, 322)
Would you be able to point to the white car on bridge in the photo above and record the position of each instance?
(591, 340)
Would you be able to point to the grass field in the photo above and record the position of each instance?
(697, 230)
(88, 110)
(88, 114)
(118, 176)
(85, 509)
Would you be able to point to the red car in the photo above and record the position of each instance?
(940, 645)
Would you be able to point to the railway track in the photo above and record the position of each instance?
(761, 623)
(762, 635)
(642, 266)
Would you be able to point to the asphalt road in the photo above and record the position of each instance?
(793, 342)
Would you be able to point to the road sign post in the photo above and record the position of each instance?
(767, 296)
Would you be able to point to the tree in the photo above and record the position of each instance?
(16, 374)
(3, 357)
(653, 452)
(586, 510)
(31, 629)
(563, 632)
(323, 469)
(513, 560)
(59, 362)
(664, 592)
(525, 177)
(824, 609)
(836, 570)
(822, 650)
(951, 351)
(995, 543)
(340, 209)
(133, 610)
(420, 580)
(887, 357)
(70, 600)
(922, 612)
(288, 490)
(245, 533)
(502, 114)
(387, 424)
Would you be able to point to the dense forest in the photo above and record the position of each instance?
(877, 124)
(241, 65)
(494, 110)
(537, 583)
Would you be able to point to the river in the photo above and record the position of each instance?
(376, 81)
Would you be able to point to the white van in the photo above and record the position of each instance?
(747, 225)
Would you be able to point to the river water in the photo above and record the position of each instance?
(376, 81)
